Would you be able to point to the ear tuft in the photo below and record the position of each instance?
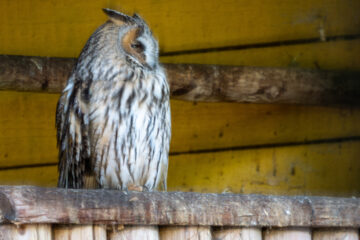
(117, 17)
(136, 16)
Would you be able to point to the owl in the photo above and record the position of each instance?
(113, 116)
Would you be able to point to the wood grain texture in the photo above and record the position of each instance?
(61, 28)
(175, 208)
(262, 85)
(79, 232)
(99, 232)
(188, 233)
(135, 232)
(74, 232)
(237, 234)
(203, 82)
(287, 234)
(25, 232)
(335, 234)
(34, 73)
(316, 169)
(28, 134)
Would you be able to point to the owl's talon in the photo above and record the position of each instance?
(133, 187)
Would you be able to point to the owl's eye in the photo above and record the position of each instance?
(138, 46)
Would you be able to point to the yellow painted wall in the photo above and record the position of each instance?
(28, 133)
(321, 169)
(216, 147)
(333, 55)
(60, 28)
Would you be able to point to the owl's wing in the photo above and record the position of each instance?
(72, 135)
(166, 115)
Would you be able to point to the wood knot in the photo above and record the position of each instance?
(272, 92)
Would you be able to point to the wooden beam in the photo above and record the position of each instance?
(36, 74)
(28, 204)
(193, 82)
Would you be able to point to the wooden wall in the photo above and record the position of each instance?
(216, 147)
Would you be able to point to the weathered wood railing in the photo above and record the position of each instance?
(28, 212)
(195, 82)
(45, 213)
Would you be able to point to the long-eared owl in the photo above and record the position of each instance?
(113, 117)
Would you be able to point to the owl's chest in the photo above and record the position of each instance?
(125, 123)
(128, 109)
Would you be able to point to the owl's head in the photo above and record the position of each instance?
(135, 39)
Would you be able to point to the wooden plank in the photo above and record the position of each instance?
(203, 82)
(319, 169)
(65, 25)
(81, 232)
(28, 134)
(233, 125)
(336, 55)
(79, 206)
(46, 176)
(285, 234)
(27, 126)
(237, 234)
(135, 232)
(336, 234)
(188, 233)
(43, 232)
(25, 232)
(74, 232)
(99, 232)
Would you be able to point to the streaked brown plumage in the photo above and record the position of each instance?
(113, 117)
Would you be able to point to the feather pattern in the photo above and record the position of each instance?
(113, 117)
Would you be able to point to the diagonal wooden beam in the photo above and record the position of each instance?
(194, 82)
(28, 204)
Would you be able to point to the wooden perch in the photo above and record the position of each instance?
(27, 204)
(202, 82)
